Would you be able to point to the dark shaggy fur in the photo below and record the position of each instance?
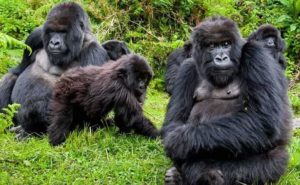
(174, 61)
(90, 93)
(116, 49)
(64, 41)
(263, 35)
(243, 141)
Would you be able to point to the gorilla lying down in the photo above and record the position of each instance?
(228, 119)
(88, 94)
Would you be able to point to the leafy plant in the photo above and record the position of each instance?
(9, 42)
(6, 118)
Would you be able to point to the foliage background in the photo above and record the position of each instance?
(153, 28)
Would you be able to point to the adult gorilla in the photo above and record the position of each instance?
(266, 34)
(237, 134)
(67, 42)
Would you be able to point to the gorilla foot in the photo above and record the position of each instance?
(212, 177)
(173, 177)
(21, 134)
(16, 129)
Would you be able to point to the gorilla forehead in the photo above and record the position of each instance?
(63, 16)
(267, 31)
(215, 29)
(138, 63)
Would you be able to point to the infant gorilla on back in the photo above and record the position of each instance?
(88, 94)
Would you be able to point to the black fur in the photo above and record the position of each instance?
(266, 31)
(39, 72)
(8, 80)
(174, 61)
(115, 49)
(248, 145)
(90, 93)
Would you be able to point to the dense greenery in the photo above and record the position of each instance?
(152, 28)
(155, 28)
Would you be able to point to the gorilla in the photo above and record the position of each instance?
(67, 41)
(115, 49)
(228, 120)
(267, 34)
(8, 80)
(175, 59)
(90, 93)
(272, 40)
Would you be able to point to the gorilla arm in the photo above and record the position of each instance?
(92, 52)
(129, 115)
(8, 80)
(181, 102)
(252, 130)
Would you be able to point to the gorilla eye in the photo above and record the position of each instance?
(211, 46)
(226, 43)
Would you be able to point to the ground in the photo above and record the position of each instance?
(102, 157)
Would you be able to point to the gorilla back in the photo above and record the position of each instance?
(67, 42)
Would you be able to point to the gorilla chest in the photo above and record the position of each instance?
(214, 103)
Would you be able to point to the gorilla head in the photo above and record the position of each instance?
(64, 32)
(217, 53)
(116, 49)
(271, 39)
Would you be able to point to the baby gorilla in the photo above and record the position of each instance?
(88, 94)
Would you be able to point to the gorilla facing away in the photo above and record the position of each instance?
(67, 42)
(272, 40)
(90, 93)
(174, 61)
(228, 119)
(115, 49)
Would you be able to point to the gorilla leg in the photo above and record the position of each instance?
(61, 123)
(259, 169)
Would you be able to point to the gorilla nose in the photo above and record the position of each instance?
(222, 60)
(54, 44)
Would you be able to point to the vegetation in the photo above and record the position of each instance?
(152, 28)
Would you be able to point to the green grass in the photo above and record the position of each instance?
(102, 157)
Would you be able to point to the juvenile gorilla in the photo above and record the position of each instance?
(272, 40)
(115, 49)
(88, 94)
(67, 42)
(174, 61)
(228, 119)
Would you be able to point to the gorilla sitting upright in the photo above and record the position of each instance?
(228, 119)
(67, 41)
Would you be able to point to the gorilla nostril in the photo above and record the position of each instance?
(225, 58)
(218, 58)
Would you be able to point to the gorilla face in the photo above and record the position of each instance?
(63, 33)
(137, 76)
(269, 42)
(217, 53)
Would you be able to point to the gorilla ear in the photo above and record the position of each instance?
(124, 47)
(122, 73)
